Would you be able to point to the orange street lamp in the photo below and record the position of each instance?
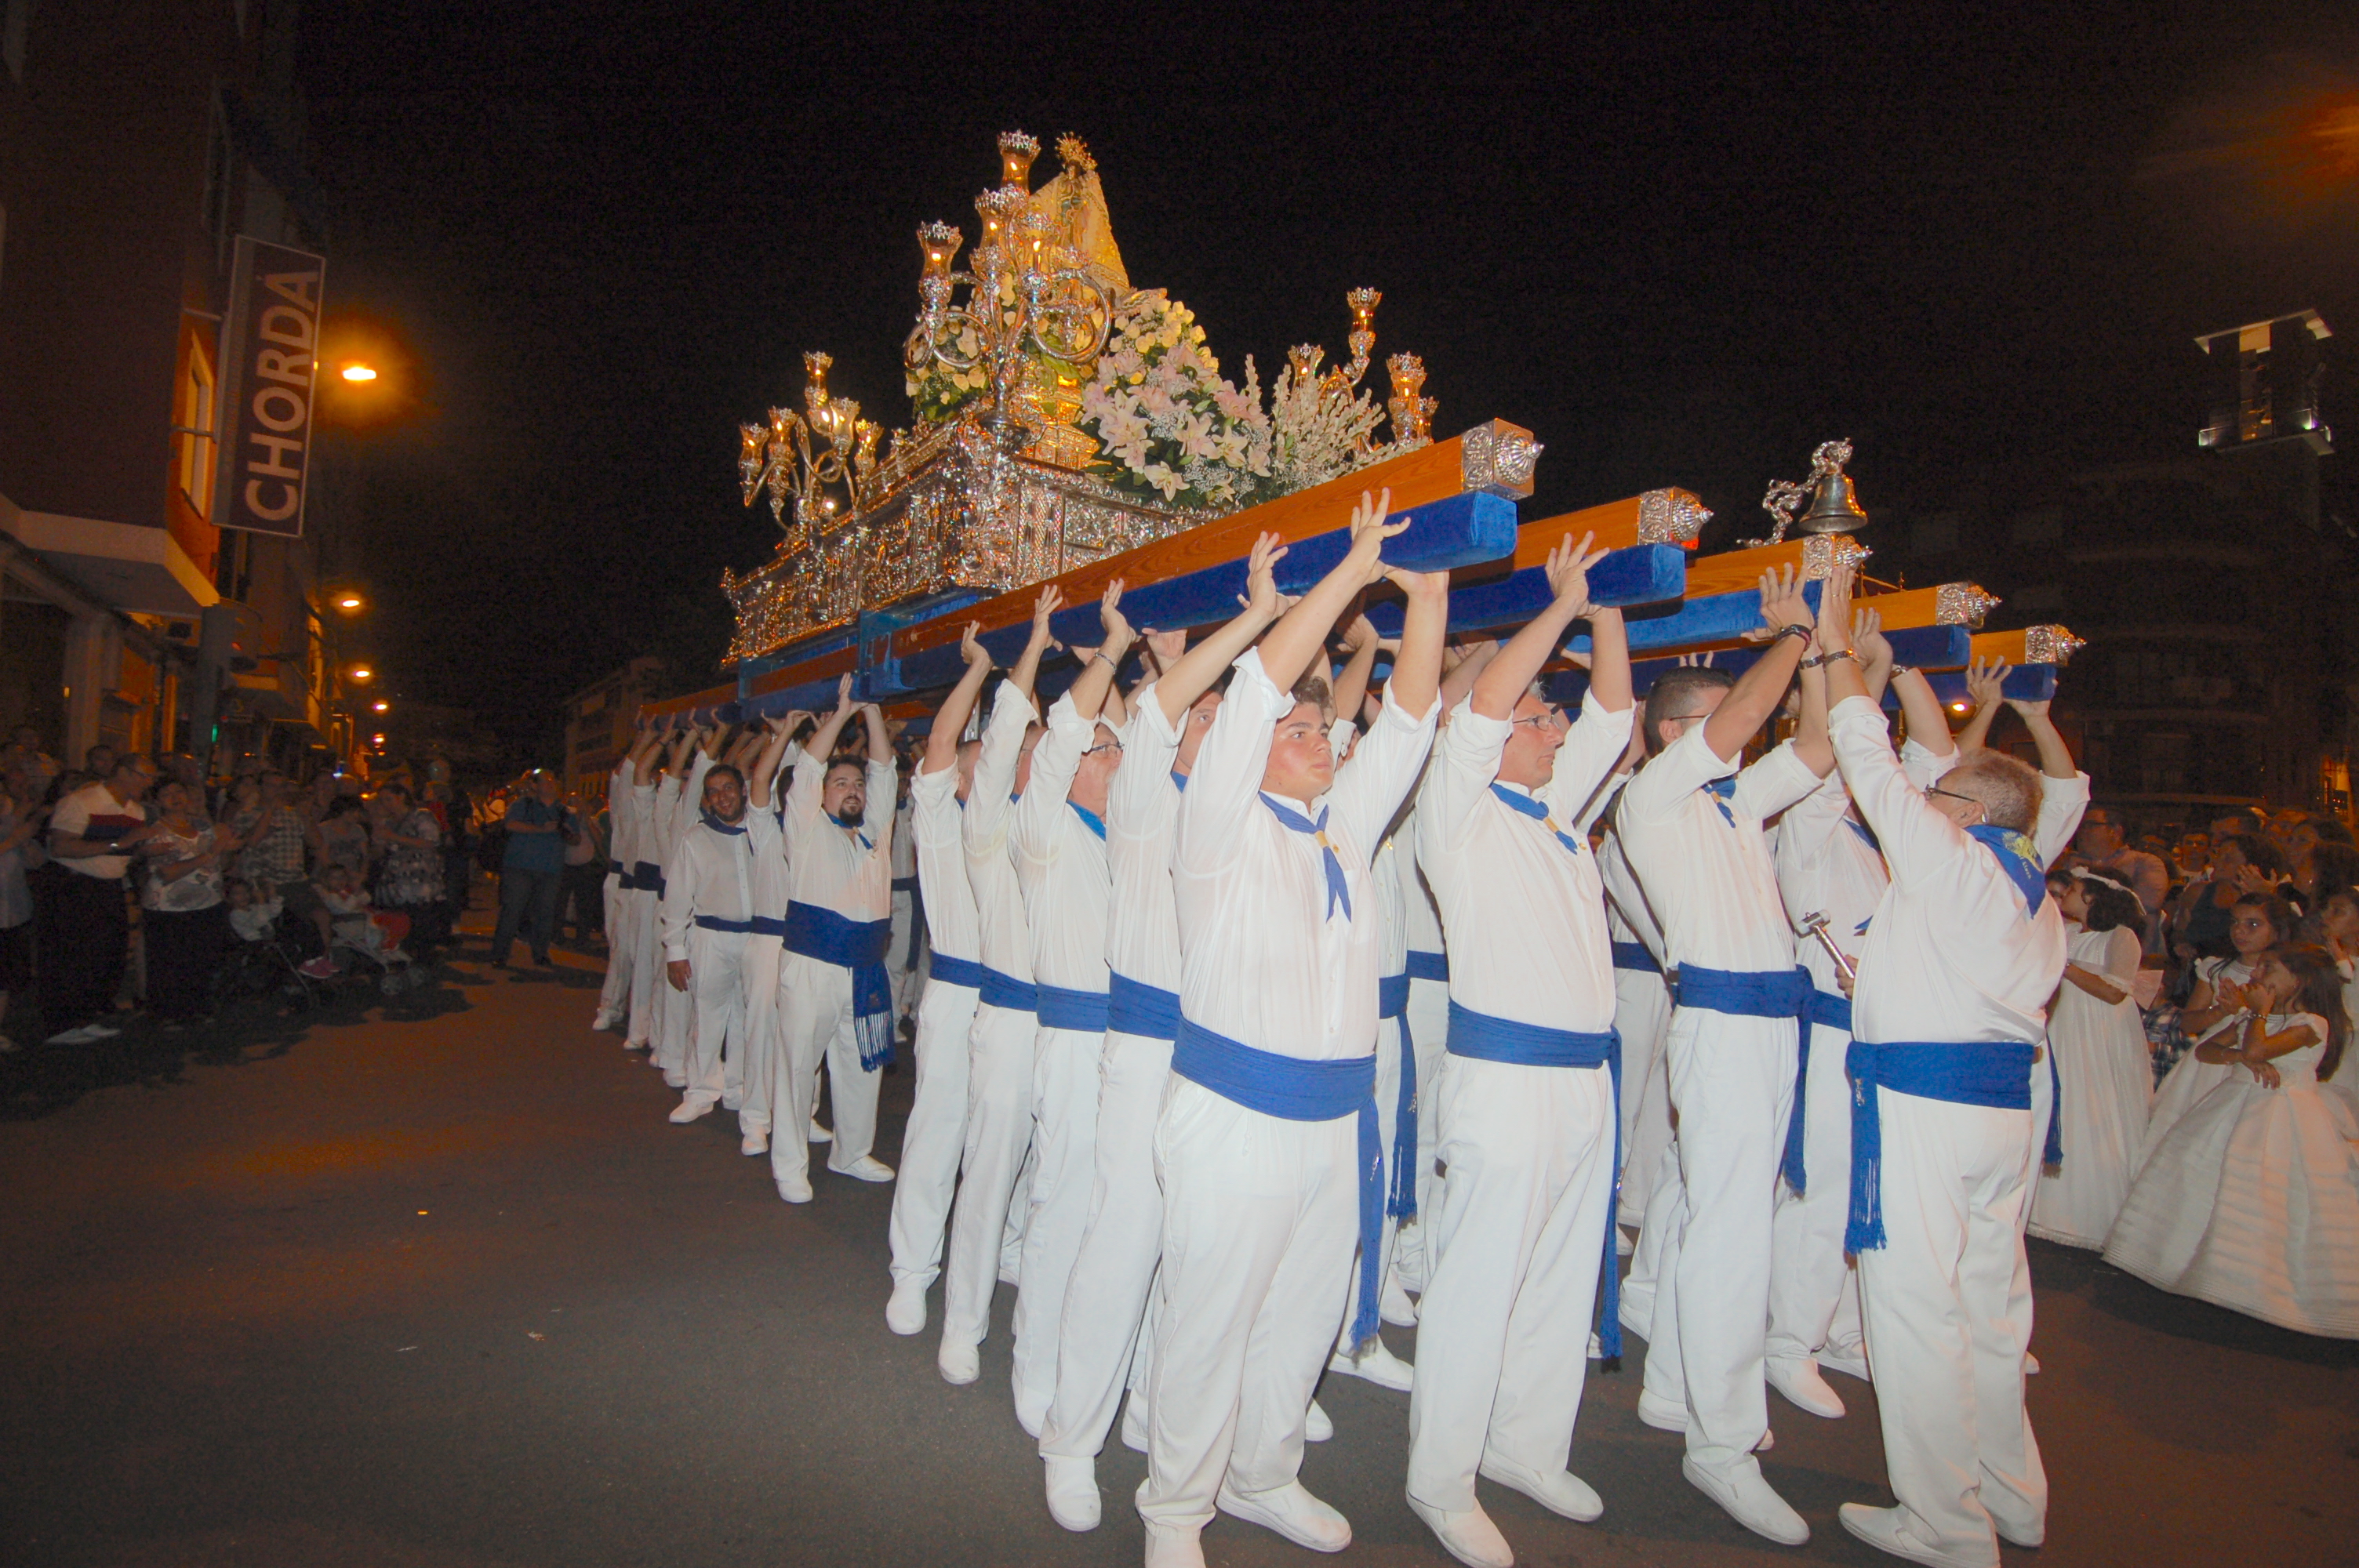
(361, 673)
(360, 373)
(382, 707)
(351, 603)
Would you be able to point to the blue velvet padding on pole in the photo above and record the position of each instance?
(1634, 956)
(816, 932)
(1133, 1007)
(1429, 966)
(1082, 1011)
(1991, 1072)
(714, 923)
(954, 971)
(1005, 990)
(1487, 1039)
(1294, 1090)
(1763, 993)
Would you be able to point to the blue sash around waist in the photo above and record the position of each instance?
(954, 971)
(1133, 1007)
(1429, 966)
(815, 932)
(1763, 993)
(1293, 1090)
(1084, 1011)
(1992, 1073)
(1483, 1038)
(1392, 995)
(767, 926)
(1392, 1002)
(714, 923)
(2051, 1151)
(1634, 956)
(1005, 990)
(647, 876)
(905, 884)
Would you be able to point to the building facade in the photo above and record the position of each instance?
(599, 719)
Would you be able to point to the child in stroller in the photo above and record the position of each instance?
(371, 936)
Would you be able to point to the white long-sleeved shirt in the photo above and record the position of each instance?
(1142, 934)
(1422, 919)
(1951, 955)
(1060, 864)
(1826, 865)
(1005, 936)
(1525, 915)
(712, 874)
(935, 818)
(773, 878)
(1707, 876)
(622, 816)
(846, 869)
(1263, 959)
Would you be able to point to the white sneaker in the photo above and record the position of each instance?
(1470, 1536)
(690, 1109)
(819, 1134)
(795, 1189)
(1749, 1500)
(1377, 1365)
(1661, 1414)
(1885, 1529)
(601, 1022)
(1292, 1512)
(2030, 1362)
(81, 1037)
(1562, 1493)
(905, 1313)
(867, 1168)
(1393, 1304)
(960, 1364)
(1799, 1381)
(756, 1142)
(1318, 1426)
(638, 1045)
(1073, 1500)
(675, 1079)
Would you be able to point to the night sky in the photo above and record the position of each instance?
(1680, 249)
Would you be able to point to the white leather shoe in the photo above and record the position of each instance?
(865, 1169)
(1073, 1500)
(637, 1046)
(1885, 1529)
(795, 1189)
(1134, 1424)
(819, 1134)
(960, 1364)
(1470, 1536)
(1562, 1493)
(1661, 1414)
(1318, 1426)
(1171, 1547)
(1799, 1381)
(757, 1142)
(905, 1314)
(1749, 1500)
(601, 1020)
(1377, 1365)
(1292, 1512)
(1394, 1305)
(689, 1110)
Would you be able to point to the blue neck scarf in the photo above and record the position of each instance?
(1866, 834)
(1722, 791)
(1090, 820)
(1538, 813)
(851, 825)
(1338, 890)
(1180, 781)
(720, 826)
(2019, 859)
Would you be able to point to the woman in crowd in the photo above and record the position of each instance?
(2104, 1073)
(186, 929)
(2335, 927)
(21, 815)
(2257, 923)
(409, 878)
(341, 835)
(2251, 1201)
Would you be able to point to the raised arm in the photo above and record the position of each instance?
(1360, 644)
(1091, 691)
(1192, 673)
(1928, 726)
(1986, 687)
(949, 720)
(1500, 684)
(821, 745)
(1758, 691)
(1416, 684)
(1458, 679)
(2055, 756)
(1027, 666)
(880, 744)
(765, 767)
(1302, 631)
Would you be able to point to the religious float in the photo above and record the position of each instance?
(1071, 427)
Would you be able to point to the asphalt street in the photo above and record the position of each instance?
(429, 1280)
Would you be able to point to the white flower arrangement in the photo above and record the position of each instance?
(1316, 435)
(1170, 428)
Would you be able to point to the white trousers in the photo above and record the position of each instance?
(1429, 1027)
(646, 966)
(716, 976)
(1390, 1230)
(1065, 1082)
(1732, 1084)
(756, 1062)
(621, 951)
(1503, 1341)
(674, 1022)
(2043, 1109)
(934, 1137)
(899, 962)
(1099, 1338)
(1665, 1207)
(815, 1026)
(1810, 1310)
(1948, 1303)
(1259, 1219)
(1642, 1012)
(998, 1135)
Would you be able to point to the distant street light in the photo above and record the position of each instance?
(382, 707)
(360, 373)
(361, 673)
(351, 603)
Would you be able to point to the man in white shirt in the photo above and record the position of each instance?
(678, 799)
(1526, 1116)
(1267, 1143)
(763, 1056)
(901, 960)
(652, 788)
(1000, 1054)
(623, 910)
(1059, 840)
(1693, 835)
(85, 932)
(1954, 978)
(935, 1135)
(1107, 1295)
(708, 910)
(835, 999)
